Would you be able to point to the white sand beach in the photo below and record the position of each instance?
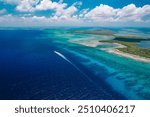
(131, 56)
(90, 43)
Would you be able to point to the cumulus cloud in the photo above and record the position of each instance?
(101, 13)
(38, 5)
(61, 10)
(66, 12)
(69, 13)
(27, 5)
(107, 13)
(131, 12)
(48, 4)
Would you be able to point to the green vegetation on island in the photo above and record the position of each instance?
(131, 48)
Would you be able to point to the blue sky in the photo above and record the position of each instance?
(132, 13)
(113, 3)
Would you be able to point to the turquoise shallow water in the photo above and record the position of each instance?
(129, 77)
(107, 46)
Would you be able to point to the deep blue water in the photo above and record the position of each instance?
(29, 69)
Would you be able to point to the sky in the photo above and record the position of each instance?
(109, 13)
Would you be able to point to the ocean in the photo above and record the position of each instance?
(43, 64)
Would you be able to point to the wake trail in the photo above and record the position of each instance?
(62, 56)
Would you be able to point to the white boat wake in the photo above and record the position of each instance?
(62, 56)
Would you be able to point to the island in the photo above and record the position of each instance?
(119, 44)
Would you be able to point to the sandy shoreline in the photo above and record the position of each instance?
(90, 43)
(131, 56)
(113, 50)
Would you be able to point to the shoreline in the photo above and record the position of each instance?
(112, 50)
(127, 55)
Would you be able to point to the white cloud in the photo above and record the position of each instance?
(61, 10)
(133, 13)
(101, 13)
(37, 5)
(66, 12)
(105, 13)
(48, 4)
(27, 5)
(11, 20)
